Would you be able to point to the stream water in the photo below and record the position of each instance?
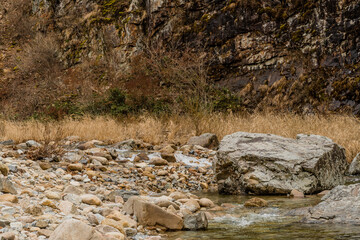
(238, 222)
(266, 223)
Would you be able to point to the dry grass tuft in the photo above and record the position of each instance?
(344, 130)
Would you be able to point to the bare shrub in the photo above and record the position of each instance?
(18, 19)
(50, 134)
(40, 56)
(37, 83)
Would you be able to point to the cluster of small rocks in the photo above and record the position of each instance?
(97, 191)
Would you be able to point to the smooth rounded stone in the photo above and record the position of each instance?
(86, 145)
(149, 175)
(72, 157)
(75, 167)
(26, 219)
(18, 226)
(158, 161)
(53, 195)
(207, 203)
(75, 183)
(34, 229)
(192, 205)
(340, 206)
(8, 236)
(7, 186)
(45, 165)
(258, 163)
(96, 164)
(48, 203)
(195, 222)
(162, 173)
(112, 223)
(34, 210)
(256, 202)
(86, 180)
(206, 140)
(169, 157)
(166, 203)
(296, 194)
(41, 223)
(141, 157)
(60, 171)
(78, 178)
(8, 210)
(67, 207)
(91, 199)
(4, 169)
(74, 190)
(168, 149)
(91, 174)
(141, 165)
(40, 188)
(67, 177)
(178, 195)
(8, 198)
(32, 143)
(72, 229)
(102, 160)
(354, 167)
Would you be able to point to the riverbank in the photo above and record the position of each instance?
(125, 189)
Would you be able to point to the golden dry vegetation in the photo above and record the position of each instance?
(344, 130)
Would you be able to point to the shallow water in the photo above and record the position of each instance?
(267, 223)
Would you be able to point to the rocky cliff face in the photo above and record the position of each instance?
(292, 55)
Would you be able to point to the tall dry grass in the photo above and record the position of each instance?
(344, 130)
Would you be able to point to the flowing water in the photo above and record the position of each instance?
(239, 222)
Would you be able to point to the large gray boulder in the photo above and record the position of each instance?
(340, 205)
(270, 164)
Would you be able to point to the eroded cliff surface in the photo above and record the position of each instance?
(290, 55)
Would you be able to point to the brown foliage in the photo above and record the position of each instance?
(18, 22)
(344, 130)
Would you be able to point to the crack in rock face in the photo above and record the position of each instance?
(269, 164)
